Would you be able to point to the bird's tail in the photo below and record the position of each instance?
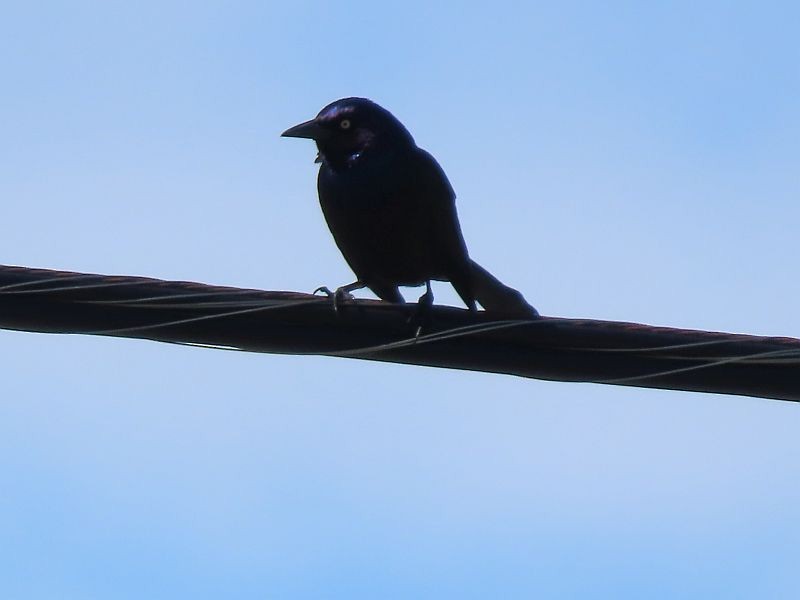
(494, 296)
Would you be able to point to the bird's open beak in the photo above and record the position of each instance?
(310, 130)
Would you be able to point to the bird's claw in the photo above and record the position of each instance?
(338, 297)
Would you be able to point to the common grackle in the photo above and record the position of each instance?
(392, 211)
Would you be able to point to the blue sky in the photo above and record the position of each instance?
(612, 160)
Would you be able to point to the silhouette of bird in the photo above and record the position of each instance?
(392, 211)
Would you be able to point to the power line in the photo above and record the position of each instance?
(578, 350)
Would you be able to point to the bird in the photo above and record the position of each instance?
(392, 212)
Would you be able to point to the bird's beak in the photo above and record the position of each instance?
(310, 130)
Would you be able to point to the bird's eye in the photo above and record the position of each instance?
(344, 123)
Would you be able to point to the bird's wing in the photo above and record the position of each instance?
(438, 206)
(471, 281)
(437, 209)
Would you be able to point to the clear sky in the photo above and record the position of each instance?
(617, 160)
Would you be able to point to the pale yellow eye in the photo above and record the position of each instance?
(344, 124)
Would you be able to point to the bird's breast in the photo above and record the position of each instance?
(377, 218)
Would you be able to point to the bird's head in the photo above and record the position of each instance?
(350, 128)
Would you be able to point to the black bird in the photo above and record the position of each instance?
(392, 211)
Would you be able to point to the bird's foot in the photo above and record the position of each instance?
(339, 297)
(421, 319)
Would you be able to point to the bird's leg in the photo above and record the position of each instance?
(426, 300)
(342, 293)
(422, 315)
